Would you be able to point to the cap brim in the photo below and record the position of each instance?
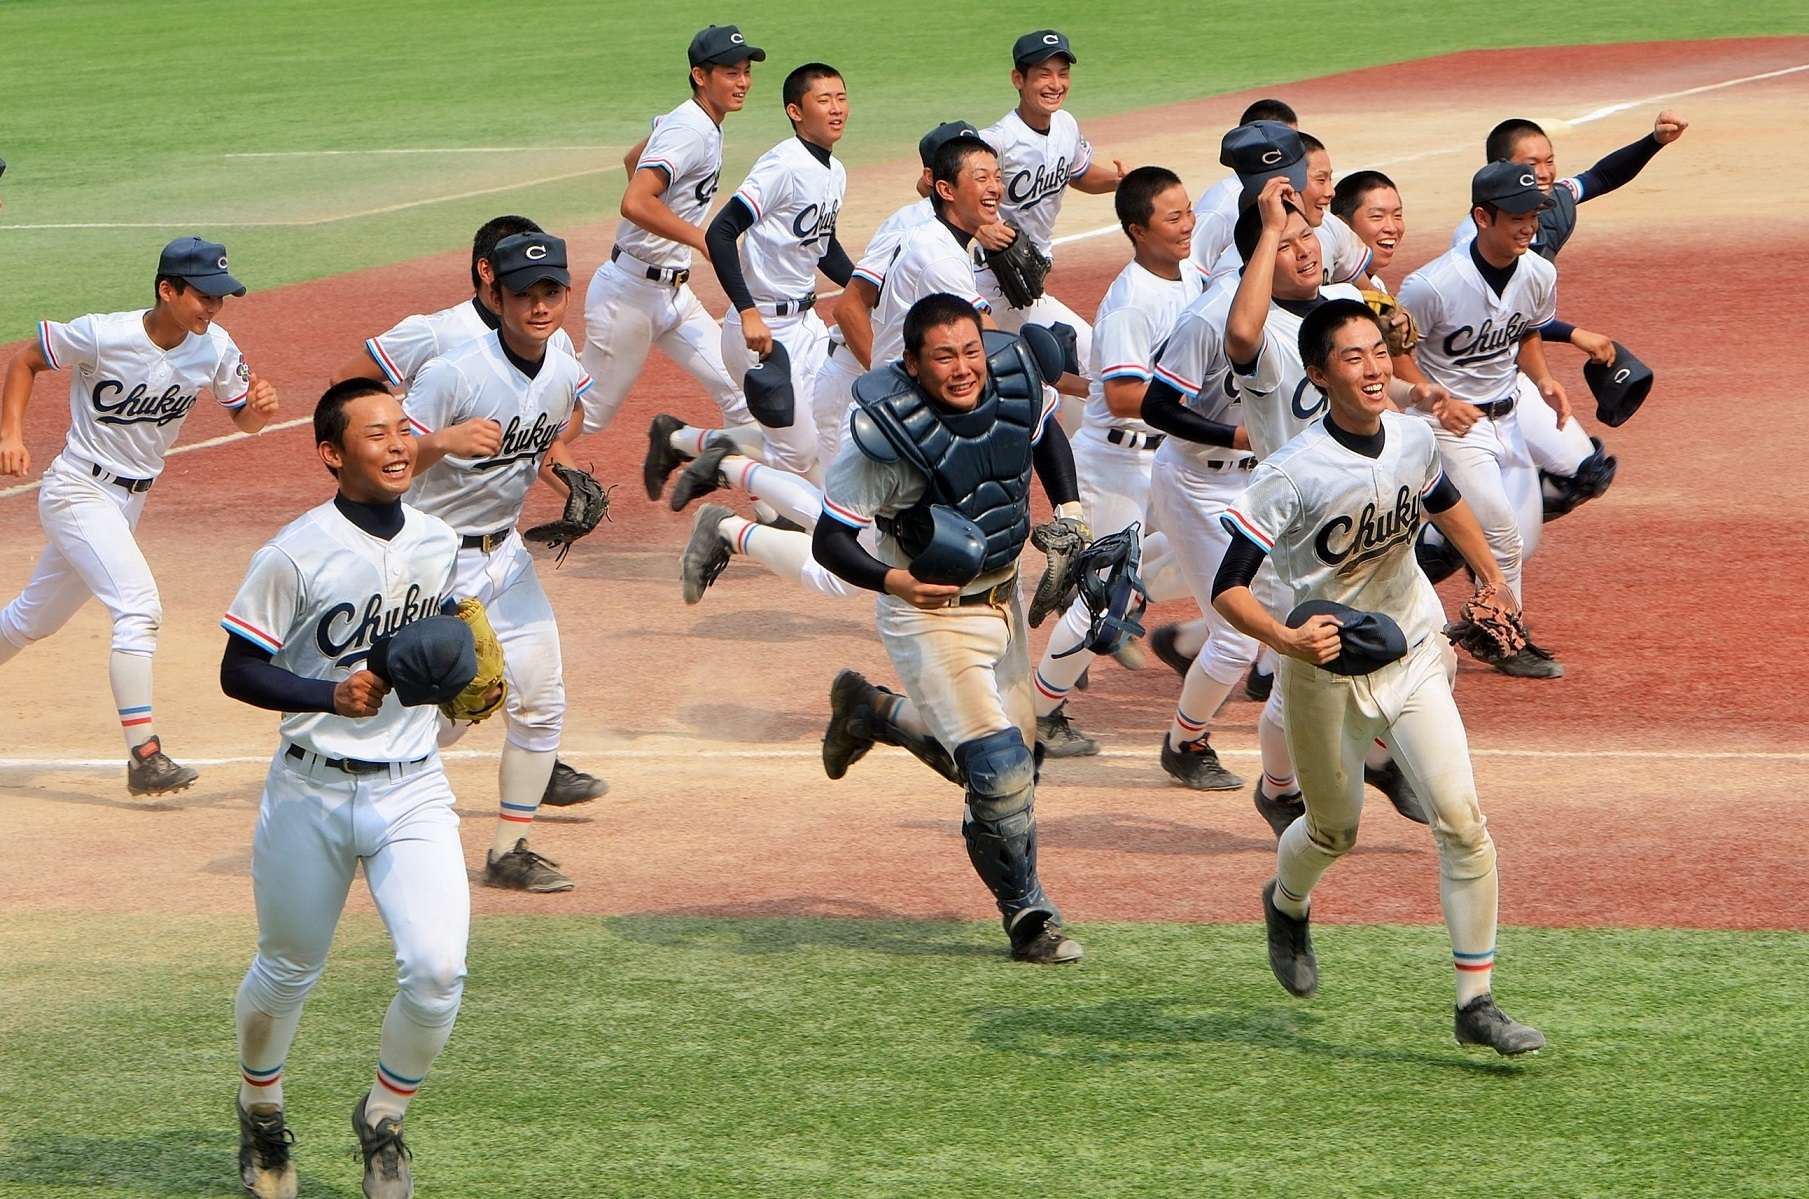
(729, 58)
(1295, 173)
(1521, 204)
(1045, 56)
(519, 281)
(217, 285)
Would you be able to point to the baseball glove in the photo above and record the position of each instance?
(1397, 323)
(1061, 541)
(1487, 629)
(585, 507)
(1020, 269)
(485, 693)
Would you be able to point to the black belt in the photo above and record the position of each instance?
(132, 485)
(1497, 409)
(1239, 463)
(673, 275)
(487, 542)
(801, 304)
(1134, 439)
(348, 765)
(998, 593)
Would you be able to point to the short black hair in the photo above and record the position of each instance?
(797, 84)
(1323, 322)
(1503, 137)
(1488, 206)
(175, 281)
(1135, 201)
(951, 156)
(329, 412)
(1269, 109)
(1311, 144)
(1249, 230)
(932, 312)
(1348, 196)
(493, 231)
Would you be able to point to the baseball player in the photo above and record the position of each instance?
(397, 356)
(355, 778)
(1370, 204)
(640, 296)
(1335, 512)
(1344, 257)
(786, 209)
(488, 414)
(1115, 449)
(976, 424)
(1215, 212)
(1479, 307)
(133, 378)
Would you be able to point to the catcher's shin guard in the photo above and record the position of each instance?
(1000, 824)
(1563, 494)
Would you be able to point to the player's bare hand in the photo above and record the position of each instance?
(917, 593)
(996, 235)
(1553, 393)
(1240, 438)
(1118, 165)
(1272, 202)
(1599, 348)
(474, 438)
(15, 459)
(754, 332)
(260, 400)
(1669, 127)
(359, 695)
(1452, 414)
(1316, 641)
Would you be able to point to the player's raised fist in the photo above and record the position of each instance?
(15, 459)
(1669, 127)
(359, 695)
(260, 400)
(474, 438)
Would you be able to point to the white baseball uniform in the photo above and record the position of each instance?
(1214, 221)
(1469, 345)
(1345, 256)
(414, 341)
(127, 402)
(1278, 401)
(640, 296)
(316, 597)
(794, 199)
(931, 258)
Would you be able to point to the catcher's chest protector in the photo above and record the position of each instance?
(978, 463)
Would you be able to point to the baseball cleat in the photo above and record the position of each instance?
(1389, 780)
(386, 1156)
(149, 771)
(661, 458)
(1162, 644)
(848, 737)
(521, 869)
(1258, 685)
(1196, 764)
(1291, 948)
(706, 554)
(702, 476)
(1279, 811)
(1533, 662)
(264, 1140)
(568, 786)
(1060, 739)
(1037, 937)
(1480, 1022)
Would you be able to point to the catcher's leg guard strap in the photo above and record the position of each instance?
(1565, 493)
(1000, 829)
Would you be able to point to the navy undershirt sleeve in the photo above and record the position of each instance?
(734, 220)
(1443, 496)
(1556, 330)
(1618, 168)
(248, 675)
(1166, 409)
(1054, 460)
(1241, 562)
(836, 549)
(836, 264)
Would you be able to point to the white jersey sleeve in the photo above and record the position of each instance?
(1421, 298)
(883, 247)
(1124, 345)
(1345, 255)
(1193, 354)
(1269, 507)
(434, 402)
(232, 376)
(401, 352)
(69, 346)
(264, 610)
(768, 185)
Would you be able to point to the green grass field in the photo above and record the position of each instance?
(666, 1057)
(123, 114)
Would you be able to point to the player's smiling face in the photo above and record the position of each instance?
(1356, 375)
(823, 112)
(1506, 235)
(1319, 187)
(725, 88)
(191, 310)
(533, 315)
(1534, 150)
(951, 365)
(1379, 221)
(974, 199)
(375, 457)
(1169, 234)
(1298, 270)
(1042, 88)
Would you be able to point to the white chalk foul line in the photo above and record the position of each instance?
(191, 447)
(416, 150)
(1624, 105)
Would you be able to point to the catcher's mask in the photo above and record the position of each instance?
(1106, 576)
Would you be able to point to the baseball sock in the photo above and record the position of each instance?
(1201, 697)
(690, 440)
(1055, 677)
(901, 714)
(1471, 906)
(779, 550)
(1190, 637)
(789, 494)
(521, 782)
(263, 1044)
(131, 675)
(1278, 763)
(1298, 865)
(404, 1056)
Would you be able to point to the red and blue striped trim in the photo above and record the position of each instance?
(234, 405)
(44, 345)
(753, 205)
(420, 429)
(1185, 386)
(374, 348)
(401, 1084)
(1189, 724)
(1048, 689)
(657, 164)
(1125, 370)
(583, 388)
(1237, 522)
(1426, 491)
(514, 812)
(131, 717)
(746, 480)
(250, 632)
(869, 276)
(261, 1078)
(745, 537)
(1473, 963)
(852, 519)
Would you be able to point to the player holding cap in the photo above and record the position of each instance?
(1215, 212)
(786, 208)
(1335, 512)
(1342, 254)
(488, 414)
(133, 378)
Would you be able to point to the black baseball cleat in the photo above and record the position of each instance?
(702, 476)
(1037, 937)
(1196, 764)
(1532, 662)
(386, 1155)
(1258, 685)
(264, 1140)
(568, 786)
(149, 771)
(661, 458)
(849, 735)
(1278, 811)
(1162, 644)
(1390, 781)
(1060, 739)
(706, 554)
(1290, 947)
(1480, 1022)
(521, 869)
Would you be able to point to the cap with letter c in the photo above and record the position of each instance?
(1509, 186)
(941, 136)
(525, 259)
(1260, 151)
(201, 264)
(1040, 45)
(722, 46)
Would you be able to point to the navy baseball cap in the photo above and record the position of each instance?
(1510, 187)
(1260, 151)
(200, 264)
(941, 136)
(1039, 46)
(427, 661)
(722, 45)
(525, 259)
(1367, 641)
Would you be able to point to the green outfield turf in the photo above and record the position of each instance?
(126, 113)
(720, 1057)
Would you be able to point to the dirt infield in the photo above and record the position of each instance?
(1645, 788)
